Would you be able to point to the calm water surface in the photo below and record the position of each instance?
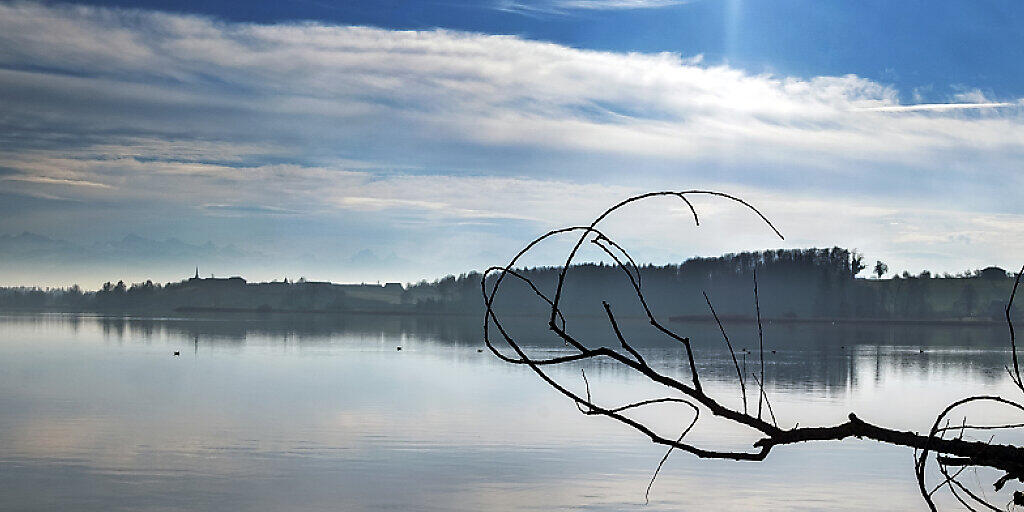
(323, 413)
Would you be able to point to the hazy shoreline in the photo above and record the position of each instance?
(979, 322)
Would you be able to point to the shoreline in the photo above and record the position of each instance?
(961, 322)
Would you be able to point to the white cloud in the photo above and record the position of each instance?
(444, 128)
(617, 4)
(563, 6)
(941, 107)
(55, 181)
(967, 95)
(247, 84)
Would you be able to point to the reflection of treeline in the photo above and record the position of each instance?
(793, 283)
(808, 355)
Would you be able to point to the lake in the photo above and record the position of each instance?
(319, 412)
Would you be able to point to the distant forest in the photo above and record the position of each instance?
(793, 284)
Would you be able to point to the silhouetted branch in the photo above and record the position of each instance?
(760, 345)
(739, 374)
(764, 396)
(957, 451)
(1013, 339)
(696, 416)
(636, 268)
(618, 334)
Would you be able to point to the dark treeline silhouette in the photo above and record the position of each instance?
(794, 284)
(228, 294)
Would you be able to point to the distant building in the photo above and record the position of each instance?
(393, 287)
(212, 281)
(992, 273)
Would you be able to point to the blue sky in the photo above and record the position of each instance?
(405, 140)
(931, 46)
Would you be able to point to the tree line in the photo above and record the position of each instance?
(794, 283)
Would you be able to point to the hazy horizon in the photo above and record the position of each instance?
(215, 261)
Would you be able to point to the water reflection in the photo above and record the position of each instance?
(321, 412)
(809, 357)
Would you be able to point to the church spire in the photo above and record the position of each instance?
(197, 273)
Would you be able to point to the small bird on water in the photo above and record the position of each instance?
(177, 352)
(399, 348)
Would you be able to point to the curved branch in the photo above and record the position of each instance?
(954, 451)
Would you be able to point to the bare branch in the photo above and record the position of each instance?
(760, 344)
(1015, 376)
(739, 374)
(955, 451)
(760, 385)
(618, 333)
(696, 416)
